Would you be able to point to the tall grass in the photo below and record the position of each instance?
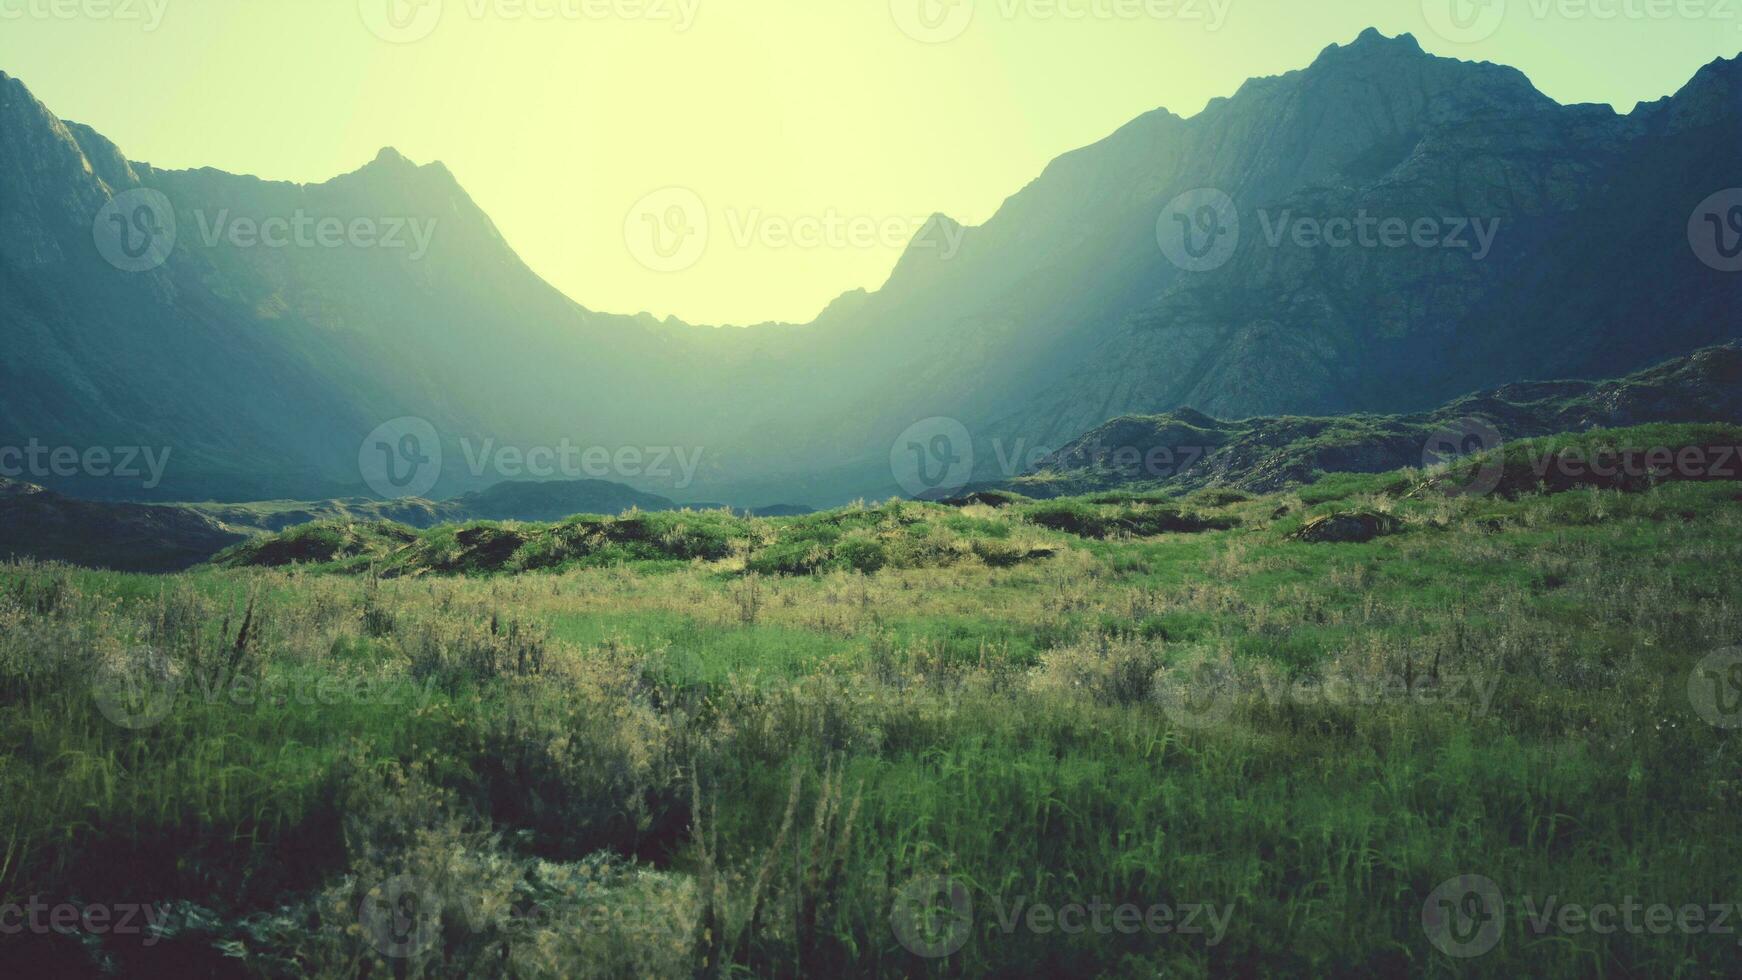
(657, 768)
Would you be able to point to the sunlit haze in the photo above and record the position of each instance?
(818, 133)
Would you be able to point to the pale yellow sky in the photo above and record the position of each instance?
(810, 135)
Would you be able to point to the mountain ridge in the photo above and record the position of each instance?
(1057, 314)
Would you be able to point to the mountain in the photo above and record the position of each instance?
(1063, 311)
(1187, 450)
(506, 501)
(1179, 451)
(38, 524)
(259, 356)
(1560, 246)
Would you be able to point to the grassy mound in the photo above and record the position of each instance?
(1110, 516)
(320, 543)
(864, 539)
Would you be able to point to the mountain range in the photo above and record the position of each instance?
(40, 524)
(1242, 262)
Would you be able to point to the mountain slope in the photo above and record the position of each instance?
(507, 501)
(1188, 450)
(38, 524)
(264, 368)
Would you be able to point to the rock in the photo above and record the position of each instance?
(1347, 528)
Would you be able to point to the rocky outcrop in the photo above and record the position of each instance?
(1188, 450)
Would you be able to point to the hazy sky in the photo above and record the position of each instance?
(814, 133)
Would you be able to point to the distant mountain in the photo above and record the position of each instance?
(1188, 450)
(1560, 247)
(507, 501)
(280, 324)
(43, 525)
(36, 523)
(1179, 451)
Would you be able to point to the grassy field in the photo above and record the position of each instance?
(1119, 736)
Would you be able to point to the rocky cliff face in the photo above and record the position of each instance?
(1557, 245)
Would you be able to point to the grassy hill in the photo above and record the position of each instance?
(692, 744)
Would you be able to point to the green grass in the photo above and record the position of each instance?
(624, 728)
